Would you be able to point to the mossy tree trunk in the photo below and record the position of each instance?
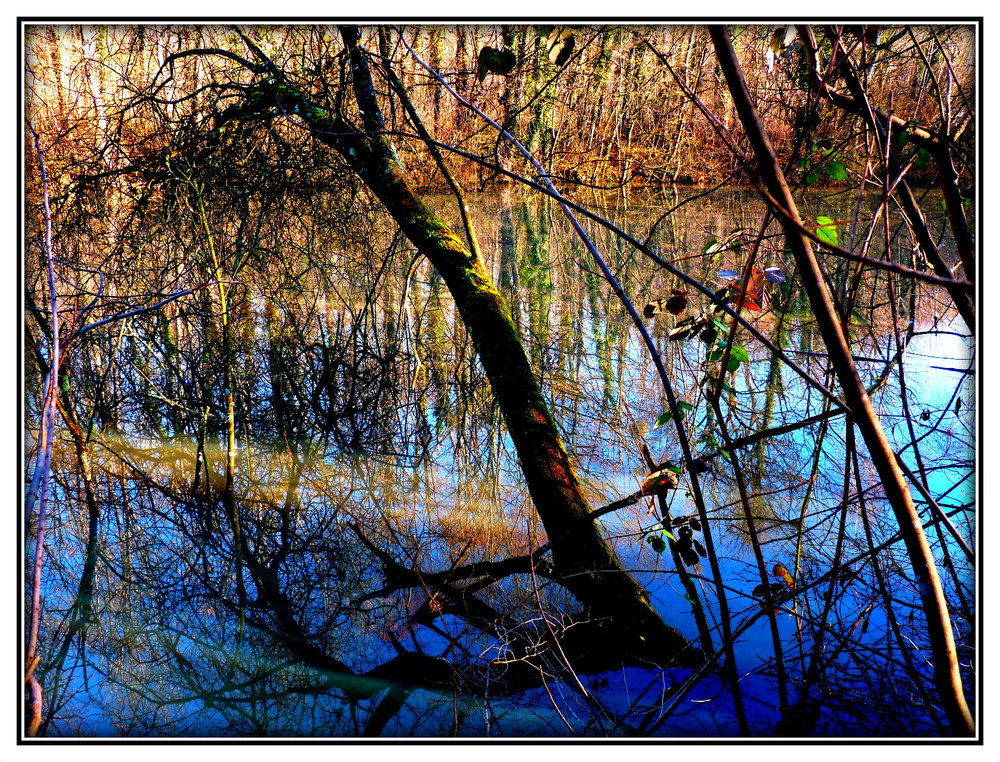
(584, 562)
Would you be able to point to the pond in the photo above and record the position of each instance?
(364, 429)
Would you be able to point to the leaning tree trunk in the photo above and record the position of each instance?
(946, 673)
(583, 561)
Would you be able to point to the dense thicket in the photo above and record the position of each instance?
(618, 111)
(316, 450)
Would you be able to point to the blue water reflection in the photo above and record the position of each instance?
(179, 646)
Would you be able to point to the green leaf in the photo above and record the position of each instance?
(826, 230)
(681, 405)
(921, 159)
(656, 543)
(811, 176)
(668, 416)
(740, 353)
(900, 139)
(733, 365)
(837, 171)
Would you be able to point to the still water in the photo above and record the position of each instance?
(364, 425)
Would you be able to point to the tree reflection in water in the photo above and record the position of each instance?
(376, 530)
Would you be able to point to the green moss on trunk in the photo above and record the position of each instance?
(586, 564)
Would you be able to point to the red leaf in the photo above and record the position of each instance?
(676, 304)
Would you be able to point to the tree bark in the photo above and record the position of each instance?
(584, 562)
(946, 673)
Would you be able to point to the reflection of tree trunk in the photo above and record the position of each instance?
(82, 607)
(536, 273)
(509, 276)
(602, 336)
(585, 563)
(774, 389)
(227, 493)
